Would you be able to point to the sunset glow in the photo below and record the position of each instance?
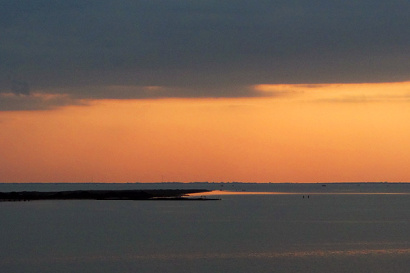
(302, 133)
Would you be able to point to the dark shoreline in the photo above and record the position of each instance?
(160, 194)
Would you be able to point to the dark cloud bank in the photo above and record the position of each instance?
(196, 48)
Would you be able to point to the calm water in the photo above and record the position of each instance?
(329, 232)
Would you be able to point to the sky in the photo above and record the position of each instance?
(251, 91)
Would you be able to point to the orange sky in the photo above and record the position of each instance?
(306, 133)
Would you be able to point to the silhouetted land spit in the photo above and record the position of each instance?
(102, 195)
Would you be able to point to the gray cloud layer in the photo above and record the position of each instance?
(198, 48)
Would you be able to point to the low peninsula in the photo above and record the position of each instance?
(169, 194)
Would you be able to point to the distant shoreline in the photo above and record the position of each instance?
(102, 195)
(175, 190)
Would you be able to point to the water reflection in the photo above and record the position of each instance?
(214, 256)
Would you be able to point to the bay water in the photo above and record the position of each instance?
(299, 228)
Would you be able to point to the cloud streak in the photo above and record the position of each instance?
(199, 48)
(37, 101)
